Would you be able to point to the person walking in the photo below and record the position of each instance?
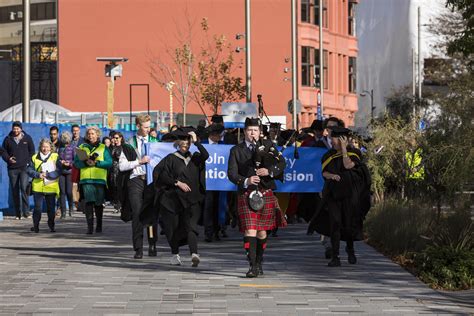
(181, 185)
(253, 166)
(66, 157)
(132, 162)
(93, 166)
(45, 169)
(19, 148)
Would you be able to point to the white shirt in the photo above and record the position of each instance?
(138, 169)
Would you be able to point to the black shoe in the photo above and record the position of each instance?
(70, 213)
(335, 262)
(260, 269)
(252, 273)
(224, 234)
(233, 223)
(216, 237)
(328, 253)
(35, 229)
(138, 254)
(52, 230)
(152, 250)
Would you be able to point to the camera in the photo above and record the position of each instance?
(94, 156)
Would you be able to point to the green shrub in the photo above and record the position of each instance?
(398, 226)
(446, 267)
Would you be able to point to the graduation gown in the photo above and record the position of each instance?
(350, 195)
(180, 210)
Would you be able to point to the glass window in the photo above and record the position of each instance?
(326, 69)
(305, 11)
(305, 66)
(352, 19)
(352, 74)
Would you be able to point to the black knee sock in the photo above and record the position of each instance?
(261, 246)
(250, 245)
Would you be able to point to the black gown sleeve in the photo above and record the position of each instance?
(165, 175)
(203, 154)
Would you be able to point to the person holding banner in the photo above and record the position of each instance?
(93, 159)
(253, 166)
(132, 164)
(45, 169)
(181, 185)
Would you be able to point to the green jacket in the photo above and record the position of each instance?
(104, 161)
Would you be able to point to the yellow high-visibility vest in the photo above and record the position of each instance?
(94, 173)
(37, 185)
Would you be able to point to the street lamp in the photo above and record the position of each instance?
(372, 108)
(113, 70)
(169, 87)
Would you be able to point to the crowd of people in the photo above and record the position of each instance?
(69, 173)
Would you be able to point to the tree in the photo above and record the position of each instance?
(214, 82)
(462, 40)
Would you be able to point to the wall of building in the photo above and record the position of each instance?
(144, 28)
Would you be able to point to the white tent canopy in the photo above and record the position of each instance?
(37, 109)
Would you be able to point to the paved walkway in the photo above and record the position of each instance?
(70, 273)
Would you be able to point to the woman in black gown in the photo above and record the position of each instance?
(181, 184)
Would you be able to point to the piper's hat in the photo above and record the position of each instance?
(337, 131)
(286, 134)
(275, 125)
(252, 121)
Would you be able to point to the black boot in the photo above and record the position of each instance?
(152, 250)
(99, 213)
(35, 228)
(351, 258)
(328, 252)
(261, 246)
(335, 261)
(250, 245)
(90, 226)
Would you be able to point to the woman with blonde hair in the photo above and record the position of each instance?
(93, 163)
(45, 168)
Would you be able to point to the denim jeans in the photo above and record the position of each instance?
(50, 208)
(18, 183)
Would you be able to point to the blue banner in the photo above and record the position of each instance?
(301, 175)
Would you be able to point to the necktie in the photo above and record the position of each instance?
(143, 148)
(252, 147)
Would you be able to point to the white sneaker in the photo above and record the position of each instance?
(175, 260)
(195, 260)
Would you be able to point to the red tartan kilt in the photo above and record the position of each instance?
(268, 218)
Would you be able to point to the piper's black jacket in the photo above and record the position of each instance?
(242, 166)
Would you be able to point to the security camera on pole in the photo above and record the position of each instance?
(112, 70)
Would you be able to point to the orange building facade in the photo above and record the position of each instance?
(142, 29)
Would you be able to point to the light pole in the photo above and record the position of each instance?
(371, 94)
(248, 61)
(169, 87)
(26, 61)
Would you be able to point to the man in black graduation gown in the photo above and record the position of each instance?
(253, 166)
(346, 196)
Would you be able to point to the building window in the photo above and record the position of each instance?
(352, 74)
(352, 19)
(305, 11)
(326, 69)
(306, 65)
(310, 12)
(38, 11)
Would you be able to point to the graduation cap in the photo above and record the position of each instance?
(169, 138)
(337, 131)
(187, 129)
(215, 128)
(286, 134)
(217, 119)
(307, 130)
(252, 121)
(317, 125)
(275, 125)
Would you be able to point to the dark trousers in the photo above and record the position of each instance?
(211, 213)
(18, 183)
(339, 214)
(65, 187)
(136, 195)
(182, 228)
(39, 198)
